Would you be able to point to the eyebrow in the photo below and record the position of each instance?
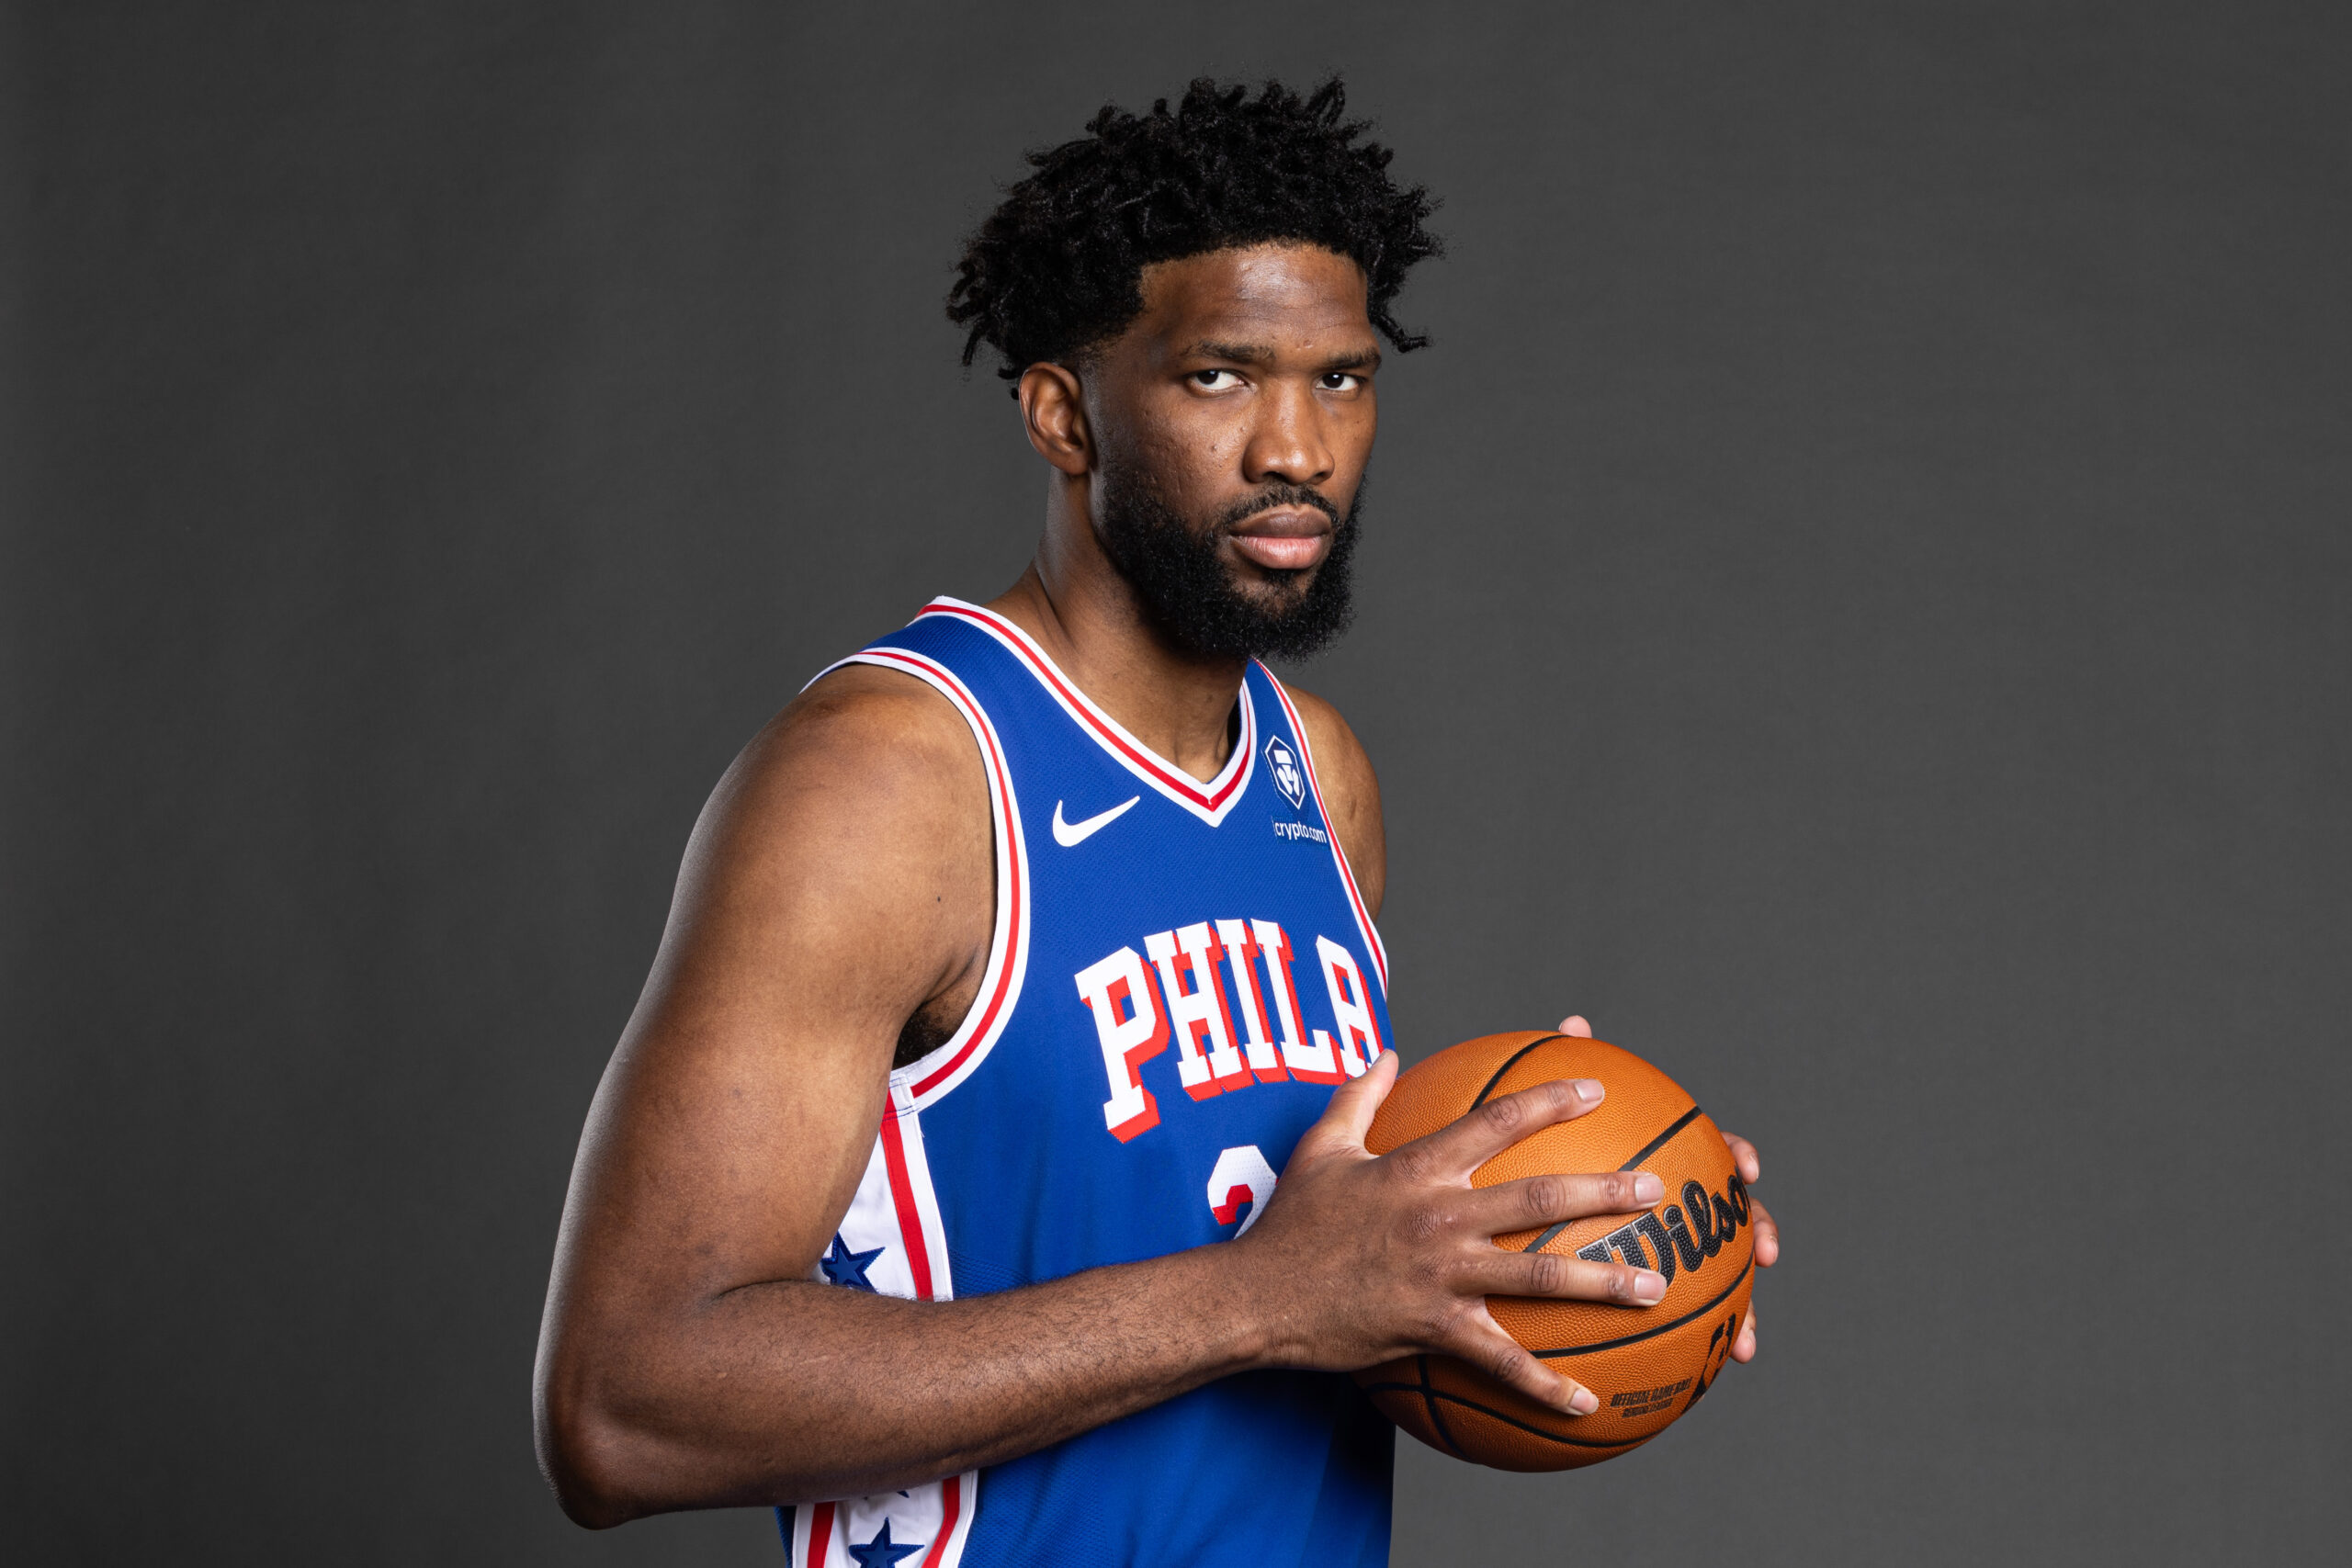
(1259, 354)
(1239, 353)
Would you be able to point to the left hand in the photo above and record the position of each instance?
(1768, 1234)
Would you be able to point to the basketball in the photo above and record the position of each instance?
(1647, 1365)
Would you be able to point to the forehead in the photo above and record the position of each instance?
(1290, 295)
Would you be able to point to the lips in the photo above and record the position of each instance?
(1286, 538)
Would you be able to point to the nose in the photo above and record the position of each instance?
(1288, 443)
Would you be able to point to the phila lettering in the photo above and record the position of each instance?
(1224, 993)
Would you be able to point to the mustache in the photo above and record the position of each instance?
(1279, 495)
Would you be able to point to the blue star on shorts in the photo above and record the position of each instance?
(843, 1267)
(881, 1551)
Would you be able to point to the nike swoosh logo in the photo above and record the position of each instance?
(1070, 835)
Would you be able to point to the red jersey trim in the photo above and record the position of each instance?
(942, 1069)
(912, 1222)
(824, 1521)
(1347, 873)
(1210, 801)
(951, 1498)
(902, 1197)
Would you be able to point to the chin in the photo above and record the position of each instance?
(1270, 586)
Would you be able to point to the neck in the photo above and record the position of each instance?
(1087, 617)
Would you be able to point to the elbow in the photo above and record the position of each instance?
(584, 1453)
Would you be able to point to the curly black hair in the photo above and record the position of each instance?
(1059, 266)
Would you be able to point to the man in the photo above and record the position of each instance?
(1072, 900)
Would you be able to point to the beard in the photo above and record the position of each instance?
(1195, 600)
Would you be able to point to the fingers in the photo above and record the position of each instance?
(1533, 1202)
(1767, 1235)
(1561, 1276)
(1451, 1153)
(1575, 1024)
(1743, 1155)
(1348, 1116)
(1743, 1350)
(1481, 1341)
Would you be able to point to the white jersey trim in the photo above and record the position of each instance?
(1339, 856)
(893, 1235)
(1211, 802)
(923, 1082)
(937, 1518)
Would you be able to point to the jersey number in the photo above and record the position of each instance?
(1241, 1179)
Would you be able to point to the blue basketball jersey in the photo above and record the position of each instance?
(1180, 973)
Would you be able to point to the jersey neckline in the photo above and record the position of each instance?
(1210, 801)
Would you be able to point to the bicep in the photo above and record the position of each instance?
(830, 889)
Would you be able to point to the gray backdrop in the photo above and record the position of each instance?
(1855, 602)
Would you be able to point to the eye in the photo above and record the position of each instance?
(1338, 382)
(1209, 381)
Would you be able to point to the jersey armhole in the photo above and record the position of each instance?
(940, 1070)
(1339, 856)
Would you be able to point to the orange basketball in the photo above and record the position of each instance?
(1647, 1365)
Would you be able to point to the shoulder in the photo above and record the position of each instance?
(1338, 755)
(867, 766)
(1351, 791)
(866, 723)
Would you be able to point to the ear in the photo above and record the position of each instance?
(1054, 412)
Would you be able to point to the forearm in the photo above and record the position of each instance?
(791, 1391)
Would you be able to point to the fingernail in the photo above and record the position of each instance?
(1648, 1287)
(1647, 1189)
(1584, 1402)
(1590, 1090)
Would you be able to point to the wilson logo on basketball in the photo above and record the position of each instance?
(1647, 1365)
(1688, 1233)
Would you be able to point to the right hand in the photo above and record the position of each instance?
(1364, 1257)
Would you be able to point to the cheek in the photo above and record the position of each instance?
(1351, 431)
(1194, 458)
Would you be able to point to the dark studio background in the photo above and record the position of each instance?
(1855, 602)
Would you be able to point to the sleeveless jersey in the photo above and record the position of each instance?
(1179, 974)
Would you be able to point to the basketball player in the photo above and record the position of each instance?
(933, 1185)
